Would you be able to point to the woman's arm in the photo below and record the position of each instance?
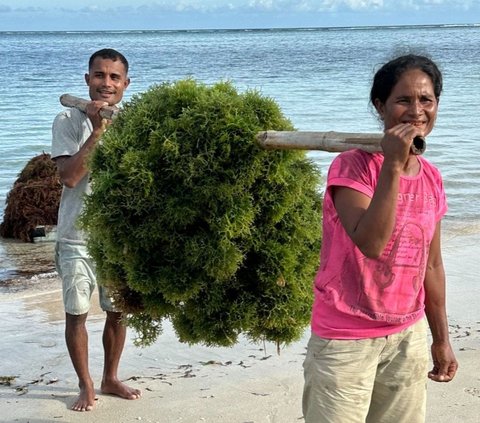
(369, 222)
(444, 363)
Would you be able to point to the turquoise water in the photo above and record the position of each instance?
(320, 77)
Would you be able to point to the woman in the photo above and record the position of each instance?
(381, 269)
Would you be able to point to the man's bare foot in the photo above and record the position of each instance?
(115, 387)
(86, 399)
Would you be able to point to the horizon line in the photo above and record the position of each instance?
(449, 25)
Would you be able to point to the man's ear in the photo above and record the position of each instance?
(87, 78)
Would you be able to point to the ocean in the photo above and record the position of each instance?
(320, 77)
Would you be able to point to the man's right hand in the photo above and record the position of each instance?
(99, 124)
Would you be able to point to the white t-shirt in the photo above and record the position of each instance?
(71, 128)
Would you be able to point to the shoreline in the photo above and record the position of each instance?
(23, 262)
(182, 383)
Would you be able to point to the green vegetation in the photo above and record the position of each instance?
(191, 220)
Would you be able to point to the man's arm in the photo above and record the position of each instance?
(444, 363)
(72, 169)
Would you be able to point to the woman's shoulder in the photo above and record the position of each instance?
(357, 152)
(357, 157)
(428, 166)
(356, 164)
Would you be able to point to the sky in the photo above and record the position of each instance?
(65, 15)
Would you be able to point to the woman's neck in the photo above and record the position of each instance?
(412, 167)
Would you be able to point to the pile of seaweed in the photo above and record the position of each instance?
(33, 200)
(190, 220)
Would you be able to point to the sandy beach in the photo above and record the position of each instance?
(248, 383)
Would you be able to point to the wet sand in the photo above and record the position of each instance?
(20, 261)
(243, 384)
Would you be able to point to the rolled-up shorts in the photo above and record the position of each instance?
(376, 380)
(77, 271)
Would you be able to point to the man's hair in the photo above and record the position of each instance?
(109, 53)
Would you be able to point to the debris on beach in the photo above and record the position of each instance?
(23, 389)
(33, 201)
(7, 380)
(191, 220)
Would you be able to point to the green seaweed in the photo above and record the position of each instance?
(190, 220)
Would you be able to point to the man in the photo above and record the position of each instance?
(75, 136)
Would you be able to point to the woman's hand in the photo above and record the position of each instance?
(396, 143)
(444, 363)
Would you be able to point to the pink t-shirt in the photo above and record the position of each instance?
(358, 297)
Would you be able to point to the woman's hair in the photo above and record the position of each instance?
(389, 74)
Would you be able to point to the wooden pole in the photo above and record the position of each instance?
(106, 112)
(331, 141)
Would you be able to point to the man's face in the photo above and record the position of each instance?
(107, 80)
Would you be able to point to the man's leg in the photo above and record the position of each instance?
(114, 336)
(76, 337)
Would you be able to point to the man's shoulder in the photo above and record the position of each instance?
(72, 114)
(69, 130)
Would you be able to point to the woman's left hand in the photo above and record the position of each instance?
(445, 364)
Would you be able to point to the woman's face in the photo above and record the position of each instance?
(412, 101)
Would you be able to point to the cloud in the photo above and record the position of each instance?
(311, 5)
(205, 6)
(198, 14)
(351, 4)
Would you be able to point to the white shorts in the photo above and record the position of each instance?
(77, 271)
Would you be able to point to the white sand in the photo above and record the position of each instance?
(242, 384)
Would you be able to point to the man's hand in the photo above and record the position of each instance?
(99, 124)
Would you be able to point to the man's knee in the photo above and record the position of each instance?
(75, 320)
(115, 318)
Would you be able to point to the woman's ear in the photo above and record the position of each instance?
(380, 107)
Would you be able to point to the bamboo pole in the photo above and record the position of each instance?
(331, 141)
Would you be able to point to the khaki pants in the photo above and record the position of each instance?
(378, 380)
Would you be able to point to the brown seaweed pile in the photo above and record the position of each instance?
(33, 201)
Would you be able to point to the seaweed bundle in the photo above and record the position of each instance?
(189, 219)
(33, 199)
